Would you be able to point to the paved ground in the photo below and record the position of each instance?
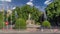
(31, 33)
(28, 32)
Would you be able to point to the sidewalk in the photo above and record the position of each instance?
(13, 31)
(24, 31)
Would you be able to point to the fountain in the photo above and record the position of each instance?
(31, 26)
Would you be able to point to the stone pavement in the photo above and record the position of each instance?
(12, 31)
(25, 31)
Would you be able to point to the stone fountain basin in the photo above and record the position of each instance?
(33, 26)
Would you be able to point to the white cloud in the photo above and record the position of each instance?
(13, 7)
(31, 0)
(47, 2)
(6, 0)
(29, 3)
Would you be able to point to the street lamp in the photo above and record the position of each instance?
(11, 18)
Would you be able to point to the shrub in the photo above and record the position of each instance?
(46, 24)
(20, 24)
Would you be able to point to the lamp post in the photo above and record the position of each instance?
(11, 19)
(3, 17)
(7, 20)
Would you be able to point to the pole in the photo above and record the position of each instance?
(7, 17)
(3, 18)
(11, 20)
(7, 21)
(3, 15)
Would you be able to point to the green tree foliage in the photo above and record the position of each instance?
(20, 24)
(53, 12)
(24, 11)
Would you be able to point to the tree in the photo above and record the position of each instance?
(53, 12)
(24, 11)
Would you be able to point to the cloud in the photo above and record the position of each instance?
(47, 2)
(31, 0)
(13, 7)
(29, 3)
(6, 0)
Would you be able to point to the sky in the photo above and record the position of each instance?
(40, 4)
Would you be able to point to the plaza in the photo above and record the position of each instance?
(29, 16)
